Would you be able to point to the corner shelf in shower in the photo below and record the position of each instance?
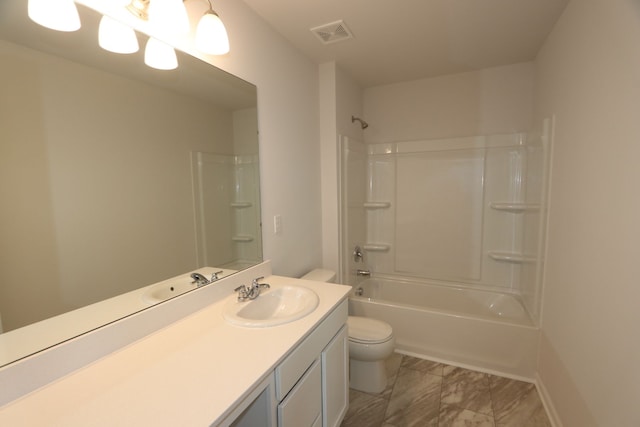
(376, 247)
(241, 205)
(514, 207)
(512, 257)
(376, 205)
(242, 238)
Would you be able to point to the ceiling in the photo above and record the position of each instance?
(402, 40)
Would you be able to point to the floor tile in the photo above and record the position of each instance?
(426, 366)
(517, 403)
(424, 393)
(393, 366)
(455, 416)
(365, 410)
(467, 390)
(415, 400)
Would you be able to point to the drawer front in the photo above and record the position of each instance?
(303, 406)
(297, 362)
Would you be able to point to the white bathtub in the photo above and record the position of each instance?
(478, 329)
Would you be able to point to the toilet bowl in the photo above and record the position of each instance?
(371, 341)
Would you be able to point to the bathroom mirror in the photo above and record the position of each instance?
(114, 176)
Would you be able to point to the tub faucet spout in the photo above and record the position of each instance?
(365, 273)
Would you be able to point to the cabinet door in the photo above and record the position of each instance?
(335, 379)
(303, 405)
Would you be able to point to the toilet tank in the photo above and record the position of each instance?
(320, 275)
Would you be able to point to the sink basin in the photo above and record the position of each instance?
(164, 291)
(273, 307)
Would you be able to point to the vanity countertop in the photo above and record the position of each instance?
(192, 372)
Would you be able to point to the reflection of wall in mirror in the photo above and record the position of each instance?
(226, 203)
(92, 183)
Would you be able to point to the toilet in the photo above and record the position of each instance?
(371, 341)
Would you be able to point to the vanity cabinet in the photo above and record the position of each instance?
(335, 379)
(303, 405)
(312, 382)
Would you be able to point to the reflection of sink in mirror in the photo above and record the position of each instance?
(273, 307)
(164, 291)
(167, 289)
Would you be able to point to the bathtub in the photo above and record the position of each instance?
(478, 329)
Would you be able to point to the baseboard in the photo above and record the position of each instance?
(469, 366)
(552, 414)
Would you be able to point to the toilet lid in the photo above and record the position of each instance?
(366, 330)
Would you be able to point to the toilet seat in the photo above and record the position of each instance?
(368, 331)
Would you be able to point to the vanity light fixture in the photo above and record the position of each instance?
(168, 16)
(59, 15)
(171, 16)
(160, 55)
(211, 35)
(117, 37)
(139, 8)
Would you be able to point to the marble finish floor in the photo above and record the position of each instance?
(425, 393)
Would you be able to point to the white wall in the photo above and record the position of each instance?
(288, 109)
(340, 98)
(588, 75)
(493, 100)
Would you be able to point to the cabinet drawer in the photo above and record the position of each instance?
(303, 406)
(294, 365)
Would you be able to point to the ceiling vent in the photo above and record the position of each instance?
(333, 32)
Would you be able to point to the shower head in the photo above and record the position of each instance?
(362, 122)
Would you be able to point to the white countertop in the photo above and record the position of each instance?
(193, 372)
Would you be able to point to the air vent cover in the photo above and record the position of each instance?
(332, 32)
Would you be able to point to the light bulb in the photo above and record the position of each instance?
(211, 35)
(117, 37)
(59, 15)
(169, 16)
(160, 55)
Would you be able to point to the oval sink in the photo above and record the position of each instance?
(273, 307)
(164, 291)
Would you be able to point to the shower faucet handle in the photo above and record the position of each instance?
(357, 254)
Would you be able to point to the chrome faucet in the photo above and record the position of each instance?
(200, 280)
(366, 273)
(251, 292)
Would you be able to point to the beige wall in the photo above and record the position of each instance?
(493, 100)
(588, 75)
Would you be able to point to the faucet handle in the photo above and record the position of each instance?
(214, 276)
(357, 254)
(243, 293)
(257, 285)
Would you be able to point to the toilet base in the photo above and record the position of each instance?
(369, 377)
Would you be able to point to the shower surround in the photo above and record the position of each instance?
(464, 214)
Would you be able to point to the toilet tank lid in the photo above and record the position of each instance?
(320, 275)
(367, 329)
